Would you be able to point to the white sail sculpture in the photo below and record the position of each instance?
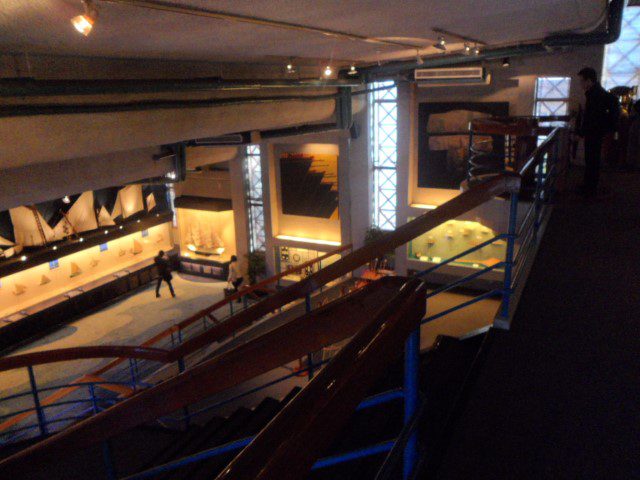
(128, 201)
(29, 227)
(79, 218)
(104, 219)
(151, 202)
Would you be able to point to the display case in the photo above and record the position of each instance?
(291, 257)
(454, 237)
(207, 231)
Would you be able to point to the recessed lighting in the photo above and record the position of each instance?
(84, 23)
(55, 247)
(352, 70)
(171, 175)
(506, 62)
(66, 199)
(476, 51)
(120, 227)
(138, 221)
(290, 67)
(81, 239)
(23, 258)
(106, 232)
(442, 43)
(328, 71)
(467, 49)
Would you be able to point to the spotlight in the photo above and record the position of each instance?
(106, 232)
(290, 67)
(84, 23)
(442, 43)
(138, 221)
(81, 239)
(467, 49)
(328, 71)
(120, 227)
(171, 175)
(23, 258)
(66, 199)
(476, 51)
(506, 62)
(352, 70)
(55, 247)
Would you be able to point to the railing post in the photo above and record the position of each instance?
(511, 240)
(132, 370)
(307, 309)
(538, 199)
(411, 398)
(108, 460)
(42, 421)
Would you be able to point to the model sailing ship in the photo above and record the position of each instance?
(206, 242)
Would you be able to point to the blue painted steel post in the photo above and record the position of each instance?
(42, 421)
(132, 370)
(108, 460)
(411, 398)
(538, 199)
(511, 240)
(307, 307)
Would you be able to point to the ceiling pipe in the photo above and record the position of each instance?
(610, 33)
(68, 109)
(25, 87)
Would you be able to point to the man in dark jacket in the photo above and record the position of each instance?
(600, 117)
(164, 273)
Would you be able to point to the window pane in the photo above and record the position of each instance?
(622, 58)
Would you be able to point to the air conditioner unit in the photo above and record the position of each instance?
(446, 77)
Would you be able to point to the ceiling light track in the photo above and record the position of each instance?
(265, 22)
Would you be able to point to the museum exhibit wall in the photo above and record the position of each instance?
(28, 287)
(514, 85)
(315, 234)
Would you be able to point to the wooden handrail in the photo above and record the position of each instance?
(260, 355)
(459, 205)
(310, 422)
(238, 295)
(536, 156)
(199, 382)
(144, 351)
(80, 353)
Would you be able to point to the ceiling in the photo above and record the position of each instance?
(123, 31)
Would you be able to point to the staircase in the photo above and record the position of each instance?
(444, 370)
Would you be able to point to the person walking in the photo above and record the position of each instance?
(600, 118)
(235, 277)
(164, 273)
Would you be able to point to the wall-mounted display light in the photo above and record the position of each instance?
(84, 23)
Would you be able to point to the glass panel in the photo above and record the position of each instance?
(384, 154)
(622, 58)
(255, 207)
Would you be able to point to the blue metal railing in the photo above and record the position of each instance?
(521, 242)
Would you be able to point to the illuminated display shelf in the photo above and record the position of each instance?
(53, 251)
(454, 237)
